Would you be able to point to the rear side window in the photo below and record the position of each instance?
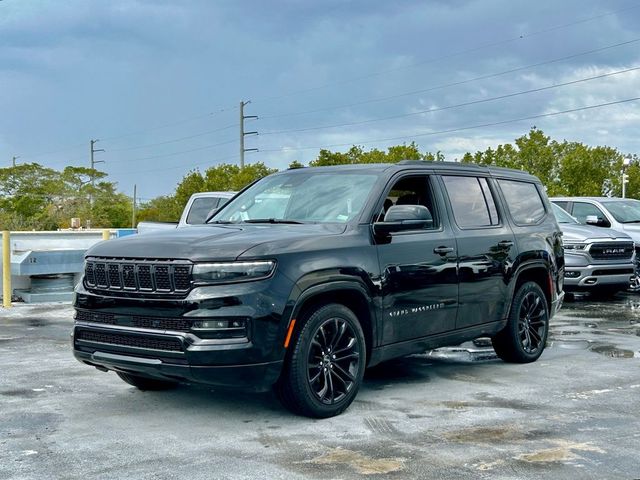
(472, 202)
(523, 200)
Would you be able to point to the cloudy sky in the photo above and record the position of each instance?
(159, 82)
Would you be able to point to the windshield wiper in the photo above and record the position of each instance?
(221, 222)
(632, 221)
(271, 220)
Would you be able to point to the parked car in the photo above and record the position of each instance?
(195, 212)
(621, 214)
(311, 275)
(598, 260)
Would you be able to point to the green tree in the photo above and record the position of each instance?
(356, 154)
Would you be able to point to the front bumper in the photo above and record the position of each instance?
(590, 277)
(157, 338)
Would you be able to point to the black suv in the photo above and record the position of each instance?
(309, 276)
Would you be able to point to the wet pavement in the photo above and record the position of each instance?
(451, 413)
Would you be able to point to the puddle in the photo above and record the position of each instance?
(569, 344)
(36, 322)
(611, 351)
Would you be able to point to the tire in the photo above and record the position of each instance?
(146, 383)
(524, 337)
(325, 365)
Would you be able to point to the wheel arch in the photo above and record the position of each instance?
(351, 294)
(538, 273)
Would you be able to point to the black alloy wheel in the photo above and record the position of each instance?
(532, 321)
(524, 337)
(325, 363)
(334, 361)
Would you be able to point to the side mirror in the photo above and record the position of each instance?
(404, 217)
(597, 221)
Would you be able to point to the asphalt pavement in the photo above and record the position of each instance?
(451, 413)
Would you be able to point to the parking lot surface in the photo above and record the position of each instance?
(451, 413)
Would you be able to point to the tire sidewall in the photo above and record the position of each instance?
(514, 315)
(299, 359)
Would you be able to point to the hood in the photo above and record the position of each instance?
(633, 230)
(209, 242)
(579, 233)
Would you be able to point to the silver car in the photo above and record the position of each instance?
(600, 260)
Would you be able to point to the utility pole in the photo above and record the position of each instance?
(13, 160)
(244, 117)
(133, 214)
(93, 162)
(93, 166)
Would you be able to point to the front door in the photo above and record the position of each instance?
(419, 268)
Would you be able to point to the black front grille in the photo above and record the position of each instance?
(613, 271)
(152, 323)
(120, 339)
(95, 317)
(612, 251)
(163, 277)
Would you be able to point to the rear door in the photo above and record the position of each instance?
(486, 249)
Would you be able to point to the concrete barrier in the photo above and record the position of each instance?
(58, 256)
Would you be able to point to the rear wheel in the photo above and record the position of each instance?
(523, 338)
(146, 383)
(324, 369)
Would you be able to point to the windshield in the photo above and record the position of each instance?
(624, 211)
(300, 197)
(562, 216)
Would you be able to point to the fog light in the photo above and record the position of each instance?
(568, 274)
(221, 328)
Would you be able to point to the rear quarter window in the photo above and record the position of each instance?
(523, 200)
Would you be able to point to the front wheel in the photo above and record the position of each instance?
(326, 364)
(524, 337)
(146, 383)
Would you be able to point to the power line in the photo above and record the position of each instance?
(137, 147)
(205, 147)
(139, 132)
(451, 55)
(178, 166)
(452, 84)
(459, 129)
(449, 107)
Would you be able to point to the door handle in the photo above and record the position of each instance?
(505, 244)
(442, 250)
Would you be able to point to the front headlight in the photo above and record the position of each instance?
(225, 272)
(573, 245)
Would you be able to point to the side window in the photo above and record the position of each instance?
(414, 190)
(562, 204)
(581, 210)
(524, 202)
(200, 208)
(472, 201)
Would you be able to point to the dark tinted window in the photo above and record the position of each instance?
(472, 201)
(410, 191)
(200, 209)
(523, 200)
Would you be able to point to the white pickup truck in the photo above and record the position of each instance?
(195, 211)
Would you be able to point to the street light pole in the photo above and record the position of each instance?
(626, 161)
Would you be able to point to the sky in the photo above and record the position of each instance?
(159, 83)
